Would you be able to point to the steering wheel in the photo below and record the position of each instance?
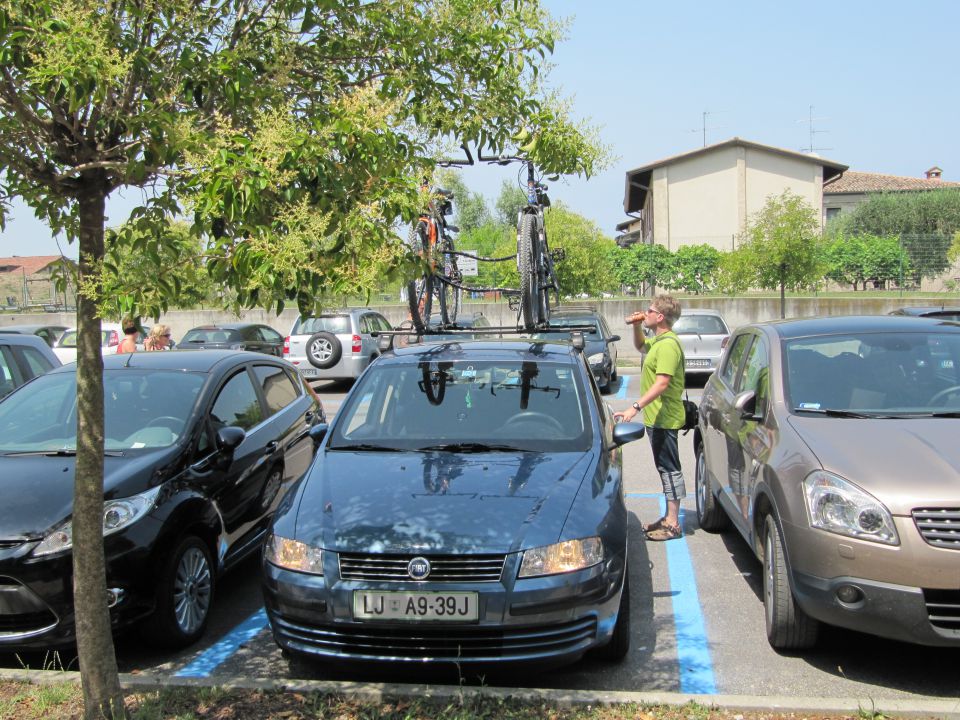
(944, 393)
(537, 417)
(165, 421)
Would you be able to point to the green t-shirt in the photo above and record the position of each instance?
(664, 357)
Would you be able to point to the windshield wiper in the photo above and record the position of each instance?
(63, 452)
(943, 414)
(830, 412)
(471, 447)
(367, 447)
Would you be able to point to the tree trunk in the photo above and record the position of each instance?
(783, 299)
(102, 696)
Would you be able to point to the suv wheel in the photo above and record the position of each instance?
(788, 626)
(710, 515)
(323, 350)
(184, 595)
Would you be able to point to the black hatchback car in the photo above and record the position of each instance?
(465, 506)
(200, 449)
(234, 336)
(601, 349)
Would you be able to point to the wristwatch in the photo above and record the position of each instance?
(636, 406)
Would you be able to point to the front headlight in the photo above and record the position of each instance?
(563, 557)
(839, 506)
(293, 555)
(117, 514)
(595, 359)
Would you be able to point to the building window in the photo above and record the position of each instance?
(832, 213)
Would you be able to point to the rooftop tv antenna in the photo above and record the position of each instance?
(703, 124)
(811, 149)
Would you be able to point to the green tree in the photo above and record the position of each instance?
(696, 266)
(509, 203)
(861, 259)
(470, 210)
(644, 267)
(586, 267)
(293, 134)
(779, 249)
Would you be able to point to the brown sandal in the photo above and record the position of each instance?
(655, 525)
(665, 532)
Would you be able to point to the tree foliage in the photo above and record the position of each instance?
(860, 259)
(933, 212)
(469, 208)
(586, 267)
(641, 266)
(696, 266)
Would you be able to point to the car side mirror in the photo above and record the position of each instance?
(613, 338)
(746, 404)
(318, 432)
(625, 432)
(228, 440)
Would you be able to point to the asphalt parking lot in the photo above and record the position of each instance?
(696, 616)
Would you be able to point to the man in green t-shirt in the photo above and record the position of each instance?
(661, 394)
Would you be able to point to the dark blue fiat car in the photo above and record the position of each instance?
(466, 505)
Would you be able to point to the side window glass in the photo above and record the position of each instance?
(365, 324)
(237, 404)
(278, 391)
(734, 356)
(7, 383)
(270, 335)
(756, 375)
(33, 362)
(384, 325)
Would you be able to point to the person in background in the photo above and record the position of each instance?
(158, 339)
(661, 402)
(130, 332)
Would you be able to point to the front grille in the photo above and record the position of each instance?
(943, 607)
(940, 527)
(471, 643)
(444, 568)
(26, 622)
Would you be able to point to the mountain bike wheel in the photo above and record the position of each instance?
(550, 282)
(420, 290)
(529, 268)
(450, 295)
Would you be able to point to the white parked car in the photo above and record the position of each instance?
(703, 334)
(335, 345)
(110, 336)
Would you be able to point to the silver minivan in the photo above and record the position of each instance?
(334, 345)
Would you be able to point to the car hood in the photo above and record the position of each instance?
(37, 491)
(438, 502)
(903, 463)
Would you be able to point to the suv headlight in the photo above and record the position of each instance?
(562, 557)
(117, 515)
(839, 506)
(293, 555)
(595, 359)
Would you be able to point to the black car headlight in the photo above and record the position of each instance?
(839, 506)
(117, 515)
(596, 359)
(293, 555)
(563, 557)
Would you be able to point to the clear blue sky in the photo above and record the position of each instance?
(881, 77)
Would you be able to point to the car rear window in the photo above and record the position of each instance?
(211, 335)
(69, 339)
(699, 325)
(336, 324)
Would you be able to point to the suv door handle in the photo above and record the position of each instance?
(271, 447)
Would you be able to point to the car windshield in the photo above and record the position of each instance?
(143, 409)
(699, 325)
(211, 335)
(327, 323)
(69, 338)
(476, 405)
(890, 373)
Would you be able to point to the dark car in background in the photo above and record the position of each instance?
(22, 358)
(600, 351)
(459, 331)
(466, 506)
(935, 311)
(48, 333)
(831, 446)
(234, 336)
(200, 448)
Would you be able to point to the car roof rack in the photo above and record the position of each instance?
(385, 337)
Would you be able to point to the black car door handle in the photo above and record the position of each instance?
(271, 447)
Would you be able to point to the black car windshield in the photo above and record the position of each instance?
(464, 405)
(143, 409)
(868, 373)
(211, 335)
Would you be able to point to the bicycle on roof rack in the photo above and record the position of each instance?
(430, 237)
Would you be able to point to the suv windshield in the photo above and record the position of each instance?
(336, 324)
(504, 405)
(143, 409)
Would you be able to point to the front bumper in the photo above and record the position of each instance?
(554, 618)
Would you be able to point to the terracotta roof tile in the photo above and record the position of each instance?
(31, 263)
(863, 182)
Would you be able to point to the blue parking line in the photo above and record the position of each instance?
(622, 392)
(223, 649)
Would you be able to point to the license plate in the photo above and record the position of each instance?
(309, 372)
(419, 606)
(698, 363)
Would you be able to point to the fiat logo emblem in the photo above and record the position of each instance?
(418, 568)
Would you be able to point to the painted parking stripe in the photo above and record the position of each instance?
(622, 392)
(693, 652)
(223, 649)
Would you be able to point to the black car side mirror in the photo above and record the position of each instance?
(625, 432)
(613, 338)
(228, 440)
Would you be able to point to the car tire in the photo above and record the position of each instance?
(613, 374)
(184, 595)
(323, 350)
(710, 515)
(788, 626)
(619, 645)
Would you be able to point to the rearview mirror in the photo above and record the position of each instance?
(613, 338)
(746, 404)
(625, 432)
